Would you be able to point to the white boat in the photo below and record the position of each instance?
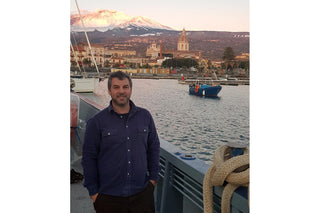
(85, 84)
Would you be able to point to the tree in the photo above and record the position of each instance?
(180, 62)
(210, 64)
(228, 57)
(73, 63)
(107, 63)
(244, 65)
(86, 61)
(228, 54)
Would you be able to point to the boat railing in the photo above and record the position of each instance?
(179, 188)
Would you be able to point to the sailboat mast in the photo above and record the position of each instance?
(94, 61)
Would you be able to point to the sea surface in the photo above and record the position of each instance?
(197, 125)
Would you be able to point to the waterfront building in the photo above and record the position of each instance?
(125, 70)
(153, 70)
(135, 60)
(119, 53)
(117, 60)
(82, 51)
(155, 51)
(243, 57)
(183, 43)
(100, 53)
(97, 51)
(78, 55)
(217, 63)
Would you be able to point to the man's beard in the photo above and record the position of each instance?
(121, 103)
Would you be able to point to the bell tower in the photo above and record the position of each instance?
(183, 44)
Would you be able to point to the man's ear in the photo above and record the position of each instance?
(109, 92)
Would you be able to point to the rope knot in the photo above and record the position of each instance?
(228, 168)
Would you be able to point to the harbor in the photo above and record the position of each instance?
(215, 82)
(195, 124)
(183, 78)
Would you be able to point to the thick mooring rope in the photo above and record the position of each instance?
(225, 167)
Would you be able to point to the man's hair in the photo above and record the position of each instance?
(119, 74)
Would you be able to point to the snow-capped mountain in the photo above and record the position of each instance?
(104, 20)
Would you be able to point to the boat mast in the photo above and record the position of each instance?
(94, 61)
(76, 48)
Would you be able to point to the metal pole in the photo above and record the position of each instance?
(94, 61)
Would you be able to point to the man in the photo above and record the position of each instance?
(121, 153)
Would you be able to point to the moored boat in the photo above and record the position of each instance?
(85, 84)
(204, 90)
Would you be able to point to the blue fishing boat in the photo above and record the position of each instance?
(204, 90)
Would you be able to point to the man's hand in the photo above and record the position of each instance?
(94, 197)
(153, 183)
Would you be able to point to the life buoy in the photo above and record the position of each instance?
(197, 88)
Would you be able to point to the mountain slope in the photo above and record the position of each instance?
(104, 20)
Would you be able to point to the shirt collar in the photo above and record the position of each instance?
(133, 107)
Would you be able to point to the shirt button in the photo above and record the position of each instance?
(128, 174)
(127, 126)
(129, 162)
(128, 150)
(128, 138)
(121, 116)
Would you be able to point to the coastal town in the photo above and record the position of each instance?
(157, 61)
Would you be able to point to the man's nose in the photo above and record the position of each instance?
(121, 90)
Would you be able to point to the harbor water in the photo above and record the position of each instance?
(197, 125)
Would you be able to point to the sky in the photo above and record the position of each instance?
(211, 15)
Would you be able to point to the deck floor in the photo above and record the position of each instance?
(80, 201)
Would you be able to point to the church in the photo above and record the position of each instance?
(155, 51)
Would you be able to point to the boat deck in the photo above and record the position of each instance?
(80, 201)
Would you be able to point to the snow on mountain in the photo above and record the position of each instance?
(104, 20)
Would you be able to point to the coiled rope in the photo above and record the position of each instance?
(226, 167)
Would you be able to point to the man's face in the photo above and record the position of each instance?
(120, 91)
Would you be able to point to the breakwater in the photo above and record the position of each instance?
(216, 82)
